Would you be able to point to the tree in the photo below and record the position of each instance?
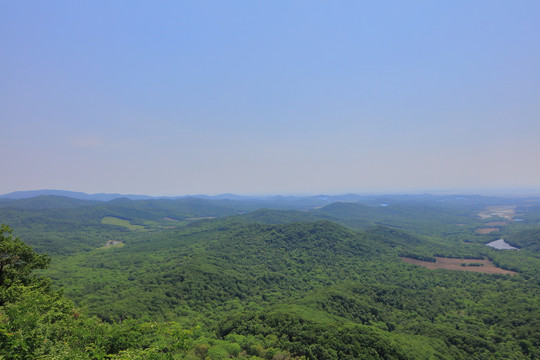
(17, 260)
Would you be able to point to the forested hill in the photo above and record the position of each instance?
(61, 225)
(219, 261)
(325, 283)
(46, 202)
(526, 239)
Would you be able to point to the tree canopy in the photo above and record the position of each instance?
(17, 260)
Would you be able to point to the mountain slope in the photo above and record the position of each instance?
(323, 279)
(47, 202)
(70, 194)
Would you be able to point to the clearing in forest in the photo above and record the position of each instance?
(201, 218)
(111, 220)
(475, 265)
(486, 230)
(112, 244)
(503, 211)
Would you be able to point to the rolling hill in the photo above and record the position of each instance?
(324, 283)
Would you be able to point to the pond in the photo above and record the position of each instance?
(501, 245)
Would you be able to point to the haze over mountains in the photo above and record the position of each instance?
(108, 196)
(314, 200)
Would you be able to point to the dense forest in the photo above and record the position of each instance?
(298, 278)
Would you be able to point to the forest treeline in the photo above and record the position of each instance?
(265, 285)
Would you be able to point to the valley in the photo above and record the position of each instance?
(279, 278)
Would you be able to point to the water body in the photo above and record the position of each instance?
(501, 245)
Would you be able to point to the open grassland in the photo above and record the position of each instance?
(111, 220)
(475, 265)
(503, 211)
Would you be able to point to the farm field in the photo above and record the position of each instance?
(474, 265)
(486, 230)
(111, 220)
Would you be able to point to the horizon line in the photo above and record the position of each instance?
(499, 191)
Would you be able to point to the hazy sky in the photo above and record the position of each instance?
(252, 97)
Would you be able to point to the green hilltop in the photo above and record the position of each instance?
(199, 278)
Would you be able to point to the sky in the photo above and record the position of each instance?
(269, 97)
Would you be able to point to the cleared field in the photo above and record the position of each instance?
(474, 265)
(111, 244)
(111, 220)
(486, 230)
(201, 218)
(497, 223)
(504, 211)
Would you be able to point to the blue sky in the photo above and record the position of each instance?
(261, 97)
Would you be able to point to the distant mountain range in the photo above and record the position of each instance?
(71, 194)
(47, 199)
(16, 195)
